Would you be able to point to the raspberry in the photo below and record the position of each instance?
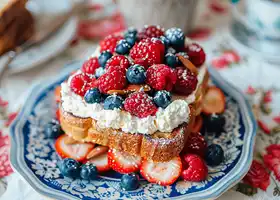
(109, 43)
(140, 105)
(151, 50)
(150, 32)
(195, 144)
(196, 54)
(112, 80)
(119, 61)
(143, 62)
(186, 81)
(90, 66)
(81, 83)
(161, 77)
(195, 169)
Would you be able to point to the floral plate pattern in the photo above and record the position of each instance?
(33, 155)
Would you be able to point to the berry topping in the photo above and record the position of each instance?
(196, 54)
(214, 155)
(113, 102)
(136, 74)
(176, 37)
(130, 32)
(140, 105)
(162, 173)
(101, 162)
(194, 168)
(151, 50)
(69, 168)
(53, 129)
(214, 101)
(162, 98)
(104, 57)
(186, 81)
(196, 144)
(77, 151)
(112, 80)
(151, 31)
(88, 171)
(109, 43)
(161, 77)
(171, 60)
(81, 83)
(99, 72)
(215, 123)
(123, 47)
(90, 66)
(165, 41)
(119, 62)
(93, 96)
(123, 162)
(129, 182)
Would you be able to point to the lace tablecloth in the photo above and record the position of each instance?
(258, 79)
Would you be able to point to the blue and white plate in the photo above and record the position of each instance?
(33, 155)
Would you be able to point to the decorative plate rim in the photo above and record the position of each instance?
(236, 174)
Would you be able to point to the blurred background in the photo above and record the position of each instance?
(241, 37)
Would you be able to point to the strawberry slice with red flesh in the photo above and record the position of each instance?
(162, 173)
(123, 162)
(77, 151)
(214, 101)
(101, 162)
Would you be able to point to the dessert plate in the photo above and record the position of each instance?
(44, 12)
(34, 158)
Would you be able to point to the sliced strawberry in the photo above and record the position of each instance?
(162, 173)
(57, 93)
(214, 101)
(123, 162)
(77, 151)
(101, 162)
(197, 124)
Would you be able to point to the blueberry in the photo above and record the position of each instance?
(112, 102)
(69, 168)
(93, 96)
(162, 98)
(129, 182)
(136, 74)
(214, 155)
(130, 32)
(123, 47)
(53, 129)
(171, 50)
(165, 41)
(171, 60)
(131, 40)
(176, 37)
(88, 171)
(99, 72)
(104, 57)
(214, 123)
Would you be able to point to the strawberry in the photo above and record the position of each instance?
(109, 43)
(101, 162)
(150, 49)
(57, 94)
(150, 32)
(162, 173)
(195, 169)
(77, 151)
(123, 162)
(214, 101)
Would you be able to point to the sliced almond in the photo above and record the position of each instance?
(137, 88)
(119, 92)
(188, 64)
(70, 140)
(97, 151)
